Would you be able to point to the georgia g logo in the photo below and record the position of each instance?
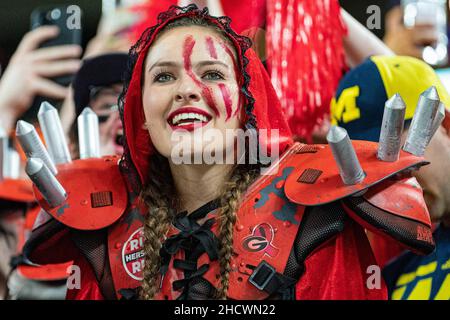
(261, 240)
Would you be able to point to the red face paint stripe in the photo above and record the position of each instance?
(189, 44)
(230, 53)
(236, 72)
(206, 92)
(227, 99)
(211, 47)
(238, 105)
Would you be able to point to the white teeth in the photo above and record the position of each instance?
(188, 116)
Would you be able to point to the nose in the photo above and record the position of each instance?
(187, 91)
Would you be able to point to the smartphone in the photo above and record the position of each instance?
(69, 25)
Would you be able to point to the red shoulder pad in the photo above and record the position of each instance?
(394, 209)
(96, 194)
(403, 198)
(316, 180)
(48, 272)
(17, 190)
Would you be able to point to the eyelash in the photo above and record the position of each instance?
(161, 73)
(214, 71)
(209, 72)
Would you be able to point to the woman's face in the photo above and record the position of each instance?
(190, 88)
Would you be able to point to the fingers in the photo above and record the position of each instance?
(57, 53)
(107, 43)
(108, 129)
(121, 44)
(34, 38)
(414, 51)
(110, 124)
(394, 18)
(56, 68)
(409, 47)
(424, 35)
(48, 88)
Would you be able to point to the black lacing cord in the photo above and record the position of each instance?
(195, 240)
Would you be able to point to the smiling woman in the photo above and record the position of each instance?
(224, 230)
(190, 86)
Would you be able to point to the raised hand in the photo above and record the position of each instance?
(29, 71)
(214, 6)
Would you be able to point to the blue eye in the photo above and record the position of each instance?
(213, 75)
(163, 77)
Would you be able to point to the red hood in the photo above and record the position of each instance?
(262, 113)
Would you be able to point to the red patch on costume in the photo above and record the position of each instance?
(261, 240)
(133, 255)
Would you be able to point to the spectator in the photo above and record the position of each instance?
(98, 85)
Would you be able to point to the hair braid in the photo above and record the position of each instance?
(234, 189)
(156, 196)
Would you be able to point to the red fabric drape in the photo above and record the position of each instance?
(338, 270)
(89, 288)
(245, 15)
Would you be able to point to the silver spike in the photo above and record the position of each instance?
(391, 129)
(32, 144)
(12, 169)
(88, 134)
(53, 133)
(420, 129)
(50, 188)
(345, 156)
(3, 153)
(437, 121)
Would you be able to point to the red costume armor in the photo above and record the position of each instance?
(18, 194)
(16, 190)
(269, 224)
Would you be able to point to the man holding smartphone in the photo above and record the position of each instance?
(29, 71)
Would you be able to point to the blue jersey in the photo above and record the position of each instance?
(413, 277)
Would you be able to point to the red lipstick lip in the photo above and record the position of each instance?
(189, 109)
(189, 127)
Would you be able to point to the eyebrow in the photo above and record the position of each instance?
(211, 62)
(174, 64)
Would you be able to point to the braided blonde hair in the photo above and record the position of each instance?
(156, 195)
